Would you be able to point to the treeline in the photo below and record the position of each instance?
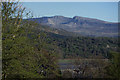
(81, 46)
(87, 46)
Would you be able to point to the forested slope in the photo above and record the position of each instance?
(76, 45)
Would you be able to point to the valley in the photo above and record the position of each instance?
(58, 47)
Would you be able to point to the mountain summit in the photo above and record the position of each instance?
(82, 25)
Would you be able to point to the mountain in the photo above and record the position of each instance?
(70, 44)
(81, 25)
(58, 31)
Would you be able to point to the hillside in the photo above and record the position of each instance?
(74, 45)
(81, 25)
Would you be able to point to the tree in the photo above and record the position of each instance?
(113, 69)
(21, 57)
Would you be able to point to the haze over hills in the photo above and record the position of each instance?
(82, 25)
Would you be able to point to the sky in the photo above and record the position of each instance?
(107, 11)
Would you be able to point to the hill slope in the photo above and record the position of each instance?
(81, 25)
(76, 46)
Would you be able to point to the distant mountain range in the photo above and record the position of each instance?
(80, 25)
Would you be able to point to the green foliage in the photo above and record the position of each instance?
(113, 69)
(84, 46)
(28, 57)
(25, 54)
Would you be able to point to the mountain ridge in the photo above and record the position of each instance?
(82, 25)
(74, 17)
